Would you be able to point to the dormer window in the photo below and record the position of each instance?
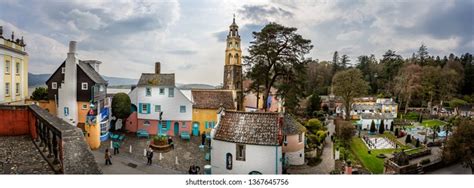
(84, 86)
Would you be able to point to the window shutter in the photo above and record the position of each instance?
(148, 108)
(168, 125)
(140, 108)
(207, 126)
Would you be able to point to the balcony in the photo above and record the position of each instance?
(59, 145)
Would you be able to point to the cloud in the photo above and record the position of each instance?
(263, 13)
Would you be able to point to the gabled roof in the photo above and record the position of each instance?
(249, 128)
(152, 79)
(213, 99)
(291, 126)
(91, 73)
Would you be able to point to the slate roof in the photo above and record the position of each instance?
(249, 128)
(91, 73)
(377, 116)
(291, 126)
(152, 79)
(212, 99)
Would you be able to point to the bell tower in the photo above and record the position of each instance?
(233, 64)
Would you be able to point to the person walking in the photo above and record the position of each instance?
(149, 155)
(116, 146)
(108, 156)
(203, 138)
(170, 142)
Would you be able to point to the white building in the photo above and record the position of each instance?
(156, 94)
(247, 143)
(366, 120)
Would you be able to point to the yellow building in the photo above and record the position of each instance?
(206, 103)
(13, 70)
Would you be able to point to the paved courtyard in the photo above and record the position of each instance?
(18, 155)
(186, 152)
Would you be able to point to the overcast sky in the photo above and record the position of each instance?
(187, 36)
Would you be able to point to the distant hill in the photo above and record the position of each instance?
(36, 80)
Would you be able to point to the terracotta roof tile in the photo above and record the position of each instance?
(249, 128)
(212, 99)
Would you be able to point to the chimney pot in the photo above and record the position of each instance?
(72, 46)
(157, 68)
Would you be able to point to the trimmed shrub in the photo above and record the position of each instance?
(408, 139)
(391, 126)
(381, 127)
(417, 143)
(372, 126)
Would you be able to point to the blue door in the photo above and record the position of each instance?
(195, 129)
(176, 129)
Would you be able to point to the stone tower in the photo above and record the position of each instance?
(233, 64)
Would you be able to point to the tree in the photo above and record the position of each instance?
(121, 107)
(314, 104)
(460, 146)
(417, 144)
(349, 84)
(391, 64)
(335, 63)
(408, 139)
(314, 125)
(344, 61)
(381, 127)
(345, 131)
(422, 55)
(40, 93)
(372, 127)
(277, 54)
(408, 82)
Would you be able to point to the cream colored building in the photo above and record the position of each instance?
(13, 69)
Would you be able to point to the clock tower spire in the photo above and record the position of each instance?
(233, 64)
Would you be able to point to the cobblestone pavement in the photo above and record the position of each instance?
(18, 155)
(187, 153)
(327, 164)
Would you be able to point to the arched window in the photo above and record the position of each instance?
(236, 58)
(230, 59)
(146, 123)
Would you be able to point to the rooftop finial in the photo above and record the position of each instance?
(233, 21)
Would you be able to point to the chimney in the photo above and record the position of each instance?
(72, 46)
(157, 68)
(1, 30)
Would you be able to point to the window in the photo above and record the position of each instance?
(300, 138)
(84, 86)
(7, 88)
(171, 92)
(63, 70)
(101, 88)
(66, 111)
(163, 125)
(145, 108)
(54, 85)
(17, 68)
(146, 123)
(240, 152)
(84, 106)
(162, 91)
(183, 125)
(157, 108)
(7, 67)
(182, 109)
(148, 91)
(17, 88)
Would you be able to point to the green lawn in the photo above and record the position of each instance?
(432, 123)
(369, 161)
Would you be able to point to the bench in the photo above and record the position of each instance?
(185, 136)
(143, 133)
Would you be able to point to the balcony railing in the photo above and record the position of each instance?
(63, 146)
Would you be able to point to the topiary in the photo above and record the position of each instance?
(381, 127)
(391, 126)
(372, 126)
(408, 139)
